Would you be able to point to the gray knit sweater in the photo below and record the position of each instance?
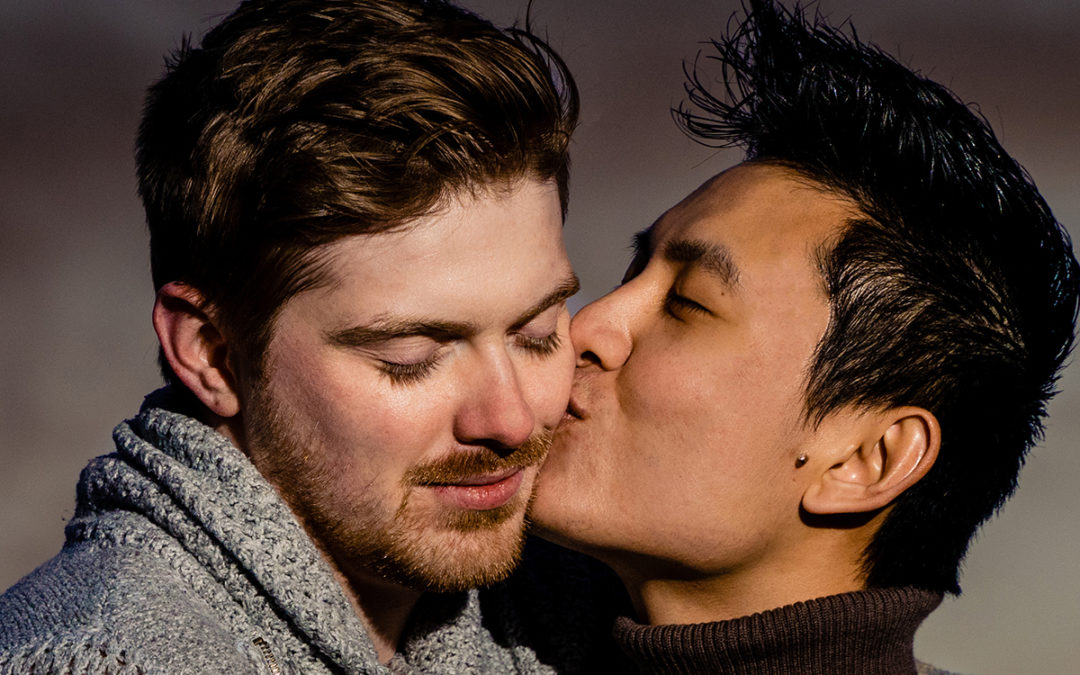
(181, 558)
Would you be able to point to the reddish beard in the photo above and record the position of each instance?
(361, 533)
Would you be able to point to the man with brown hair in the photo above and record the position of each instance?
(355, 211)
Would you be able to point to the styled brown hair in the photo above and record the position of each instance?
(299, 122)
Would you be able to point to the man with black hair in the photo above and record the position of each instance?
(822, 370)
(355, 210)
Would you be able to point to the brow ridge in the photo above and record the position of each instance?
(568, 287)
(713, 257)
(381, 330)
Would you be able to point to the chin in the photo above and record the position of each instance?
(547, 522)
(451, 550)
(458, 561)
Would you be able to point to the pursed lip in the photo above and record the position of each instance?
(481, 492)
(481, 479)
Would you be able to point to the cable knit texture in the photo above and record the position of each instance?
(181, 558)
(863, 633)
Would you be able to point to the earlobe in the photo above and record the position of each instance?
(894, 451)
(195, 348)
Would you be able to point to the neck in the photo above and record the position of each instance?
(382, 605)
(664, 594)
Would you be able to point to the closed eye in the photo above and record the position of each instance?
(409, 373)
(541, 346)
(677, 305)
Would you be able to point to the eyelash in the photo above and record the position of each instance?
(674, 301)
(407, 373)
(541, 346)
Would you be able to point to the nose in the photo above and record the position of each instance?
(495, 409)
(601, 331)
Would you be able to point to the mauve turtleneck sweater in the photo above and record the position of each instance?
(865, 633)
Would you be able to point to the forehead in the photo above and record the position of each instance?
(483, 252)
(758, 213)
(524, 212)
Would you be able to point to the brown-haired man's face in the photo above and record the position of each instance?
(688, 395)
(406, 405)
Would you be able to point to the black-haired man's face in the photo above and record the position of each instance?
(687, 408)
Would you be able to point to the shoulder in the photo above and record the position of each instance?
(103, 653)
(92, 603)
(59, 653)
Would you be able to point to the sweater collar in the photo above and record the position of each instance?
(867, 632)
(193, 483)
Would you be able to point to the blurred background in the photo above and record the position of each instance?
(77, 352)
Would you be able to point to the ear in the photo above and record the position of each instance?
(195, 348)
(893, 451)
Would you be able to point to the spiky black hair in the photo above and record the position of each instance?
(956, 290)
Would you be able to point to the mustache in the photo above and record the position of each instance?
(463, 465)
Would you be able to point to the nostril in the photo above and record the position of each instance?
(588, 358)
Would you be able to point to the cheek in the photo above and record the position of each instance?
(357, 416)
(665, 387)
(672, 399)
(546, 385)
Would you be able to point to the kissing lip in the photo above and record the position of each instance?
(573, 409)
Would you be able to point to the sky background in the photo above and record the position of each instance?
(77, 352)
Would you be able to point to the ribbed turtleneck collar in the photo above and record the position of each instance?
(866, 632)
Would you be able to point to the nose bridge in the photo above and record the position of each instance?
(603, 330)
(495, 406)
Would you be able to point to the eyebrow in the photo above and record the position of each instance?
(640, 243)
(711, 256)
(568, 287)
(383, 329)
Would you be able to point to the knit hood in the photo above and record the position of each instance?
(198, 487)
